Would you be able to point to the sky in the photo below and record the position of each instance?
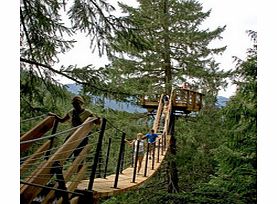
(237, 15)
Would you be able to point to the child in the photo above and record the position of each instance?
(140, 150)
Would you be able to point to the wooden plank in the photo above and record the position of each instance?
(29, 192)
(72, 185)
(36, 132)
(104, 187)
(167, 118)
(79, 178)
(158, 115)
(74, 200)
(33, 174)
(32, 159)
(69, 172)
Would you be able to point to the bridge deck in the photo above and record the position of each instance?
(36, 180)
(105, 187)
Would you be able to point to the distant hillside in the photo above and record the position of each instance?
(221, 101)
(73, 88)
(126, 106)
(109, 103)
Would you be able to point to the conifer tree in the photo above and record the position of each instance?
(236, 176)
(45, 33)
(169, 46)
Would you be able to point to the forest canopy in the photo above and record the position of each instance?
(152, 49)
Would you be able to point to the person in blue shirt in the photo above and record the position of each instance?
(151, 140)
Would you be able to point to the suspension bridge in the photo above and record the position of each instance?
(106, 166)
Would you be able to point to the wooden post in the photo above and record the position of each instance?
(27, 192)
(97, 154)
(146, 160)
(158, 156)
(136, 161)
(54, 130)
(119, 159)
(107, 157)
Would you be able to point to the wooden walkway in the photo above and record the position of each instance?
(37, 179)
(104, 187)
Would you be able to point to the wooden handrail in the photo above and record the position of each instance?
(36, 132)
(68, 174)
(32, 159)
(28, 192)
(167, 118)
(158, 115)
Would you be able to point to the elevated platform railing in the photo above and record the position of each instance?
(185, 100)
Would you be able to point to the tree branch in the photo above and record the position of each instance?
(74, 79)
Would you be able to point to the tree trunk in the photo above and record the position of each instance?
(172, 172)
(166, 51)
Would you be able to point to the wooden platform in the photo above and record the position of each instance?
(182, 100)
(37, 180)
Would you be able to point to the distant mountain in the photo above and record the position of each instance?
(73, 88)
(123, 106)
(127, 106)
(109, 103)
(221, 101)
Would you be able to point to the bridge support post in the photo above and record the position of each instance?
(146, 160)
(122, 158)
(136, 161)
(107, 157)
(58, 170)
(54, 130)
(119, 159)
(97, 153)
(133, 154)
(158, 155)
(153, 154)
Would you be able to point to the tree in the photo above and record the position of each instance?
(171, 45)
(44, 35)
(237, 156)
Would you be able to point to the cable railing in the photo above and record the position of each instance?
(33, 118)
(104, 155)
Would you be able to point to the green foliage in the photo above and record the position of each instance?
(236, 157)
(45, 32)
(173, 47)
(197, 138)
(39, 100)
(216, 152)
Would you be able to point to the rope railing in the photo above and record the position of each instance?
(60, 133)
(116, 128)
